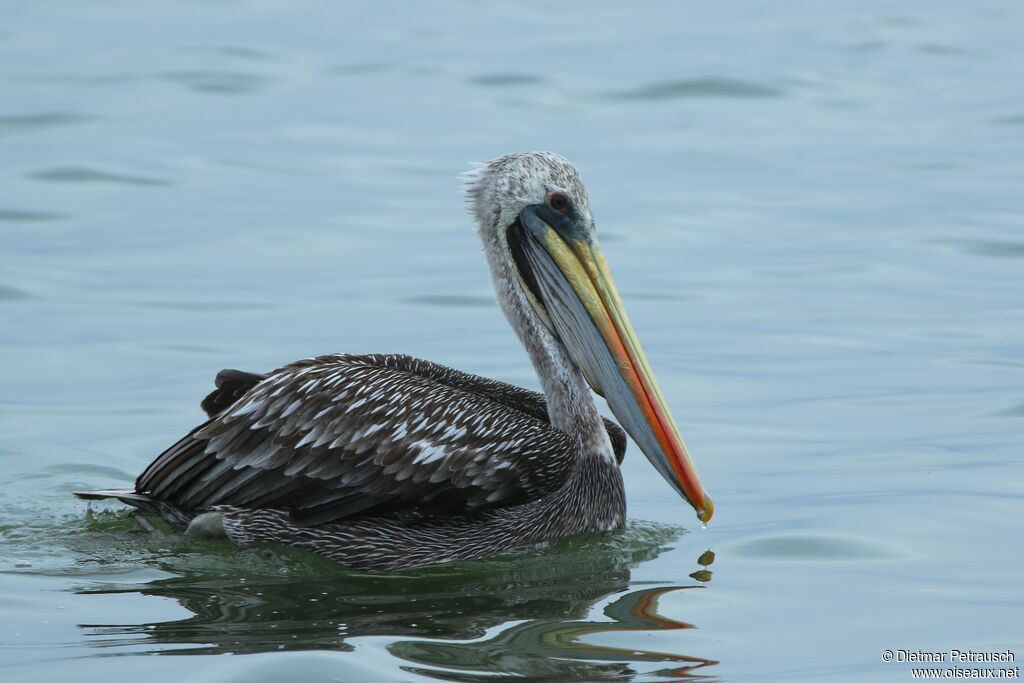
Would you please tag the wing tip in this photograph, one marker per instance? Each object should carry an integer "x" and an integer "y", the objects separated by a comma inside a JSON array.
[
  {"x": 105, "y": 494},
  {"x": 230, "y": 385}
]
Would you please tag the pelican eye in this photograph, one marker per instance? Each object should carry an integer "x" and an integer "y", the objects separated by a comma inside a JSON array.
[{"x": 558, "y": 201}]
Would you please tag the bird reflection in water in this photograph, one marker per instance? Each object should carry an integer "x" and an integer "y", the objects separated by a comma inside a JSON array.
[{"x": 517, "y": 615}]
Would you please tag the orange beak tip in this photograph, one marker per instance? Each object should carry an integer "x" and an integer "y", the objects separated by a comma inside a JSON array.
[{"x": 704, "y": 514}]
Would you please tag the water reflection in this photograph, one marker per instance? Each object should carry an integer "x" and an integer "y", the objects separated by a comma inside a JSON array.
[
  {"x": 532, "y": 614},
  {"x": 555, "y": 649}
]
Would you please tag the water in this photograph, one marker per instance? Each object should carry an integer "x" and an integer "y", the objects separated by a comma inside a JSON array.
[{"x": 813, "y": 214}]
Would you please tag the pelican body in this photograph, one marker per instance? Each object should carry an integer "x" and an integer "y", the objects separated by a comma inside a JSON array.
[{"x": 387, "y": 461}]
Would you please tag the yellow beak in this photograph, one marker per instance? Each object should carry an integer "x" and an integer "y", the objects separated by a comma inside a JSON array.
[{"x": 593, "y": 326}]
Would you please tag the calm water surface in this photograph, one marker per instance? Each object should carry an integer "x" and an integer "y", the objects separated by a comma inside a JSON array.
[{"x": 814, "y": 217}]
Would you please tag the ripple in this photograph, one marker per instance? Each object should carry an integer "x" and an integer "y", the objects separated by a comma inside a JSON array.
[
  {"x": 451, "y": 301},
  {"x": 90, "y": 79},
  {"x": 21, "y": 216},
  {"x": 202, "y": 306},
  {"x": 699, "y": 88},
  {"x": 812, "y": 272},
  {"x": 899, "y": 21},
  {"x": 218, "y": 81},
  {"x": 993, "y": 248},
  {"x": 69, "y": 468},
  {"x": 13, "y": 294},
  {"x": 1012, "y": 411},
  {"x": 81, "y": 174},
  {"x": 866, "y": 46},
  {"x": 998, "y": 363},
  {"x": 505, "y": 80},
  {"x": 245, "y": 53},
  {"x": 804, "y": 547},
  {"x": 186, "y": 348},
  {"x": 1017, "y": 120},
  {"x": 49, "y": 119},
  {"x": 940, "y": 50},
  {"x": 360, "y": 68},
  {"x": 661, "y": 296}
]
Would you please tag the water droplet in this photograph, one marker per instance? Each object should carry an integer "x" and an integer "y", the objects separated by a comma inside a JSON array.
[{"x": 703, "y": 525}]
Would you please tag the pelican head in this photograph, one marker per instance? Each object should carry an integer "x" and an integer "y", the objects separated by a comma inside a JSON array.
[{"x": 554, "y": 286}]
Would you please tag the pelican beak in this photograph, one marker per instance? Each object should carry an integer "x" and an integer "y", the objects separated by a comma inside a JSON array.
[{"x": 566, "y": 277}]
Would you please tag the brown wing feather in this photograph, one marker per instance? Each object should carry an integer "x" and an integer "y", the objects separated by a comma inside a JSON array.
[
  {"x": 524, "y": 400},
  {"x": 337, "y": 436},
  {"x": 231, "y": 385}
]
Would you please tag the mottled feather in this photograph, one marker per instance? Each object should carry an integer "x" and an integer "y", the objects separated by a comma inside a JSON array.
[{"x": 337, "y": 436}]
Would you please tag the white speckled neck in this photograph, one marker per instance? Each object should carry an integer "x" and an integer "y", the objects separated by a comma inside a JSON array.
[{"x": 498, "y": 191}]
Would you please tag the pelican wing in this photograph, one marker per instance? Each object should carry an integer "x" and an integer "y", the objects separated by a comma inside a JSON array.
[{"x": 336, "y": 436}]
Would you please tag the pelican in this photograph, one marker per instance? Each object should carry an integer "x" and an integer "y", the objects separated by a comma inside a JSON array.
[{"x": 388, "y": 461}]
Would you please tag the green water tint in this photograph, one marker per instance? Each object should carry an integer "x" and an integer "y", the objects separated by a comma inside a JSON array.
[{"x": 531, "y": 612}]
